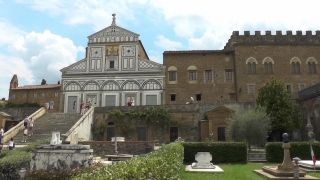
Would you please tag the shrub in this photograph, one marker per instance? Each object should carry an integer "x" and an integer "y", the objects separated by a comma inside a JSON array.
[
  {"x": 274, "y": 151},
  {"x": 12, "y": 161},
  {"x": 164, "y": 163},
  {"x": 59, "y": 174},
  {"x": 222, "y": 152}
]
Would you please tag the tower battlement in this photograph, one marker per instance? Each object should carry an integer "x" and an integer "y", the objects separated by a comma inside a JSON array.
[{"x": 272, "y": 38}]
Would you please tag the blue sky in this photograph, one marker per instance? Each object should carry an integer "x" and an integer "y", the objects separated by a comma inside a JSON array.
[{"x": 38, "y": 38}]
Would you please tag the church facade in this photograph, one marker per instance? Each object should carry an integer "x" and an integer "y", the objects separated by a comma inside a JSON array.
[{"x": 115, "y": 71}]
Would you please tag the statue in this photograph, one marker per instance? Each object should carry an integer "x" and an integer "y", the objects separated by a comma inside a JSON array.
[{"x": 44, "y": 82}]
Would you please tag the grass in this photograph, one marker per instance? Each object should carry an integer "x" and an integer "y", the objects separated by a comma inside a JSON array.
[{"x": 233, "y": 172}]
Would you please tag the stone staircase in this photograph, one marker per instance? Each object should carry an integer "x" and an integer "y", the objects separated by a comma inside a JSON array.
[
  {"x": 257, "y": 157},
  {"x": 47, "y": 123}
]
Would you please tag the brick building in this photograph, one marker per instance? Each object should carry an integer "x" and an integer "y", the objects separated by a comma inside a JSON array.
[
  {"x": 34, "y": 93},
  {"x": 235, "y": 73}
]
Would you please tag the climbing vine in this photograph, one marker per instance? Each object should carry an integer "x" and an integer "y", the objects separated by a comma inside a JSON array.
[{"x": 127, "y": 120}]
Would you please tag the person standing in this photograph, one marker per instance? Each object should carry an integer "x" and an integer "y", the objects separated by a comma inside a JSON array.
[
  {"x": 83, "y": 109},
  {"x": 51, "y": 104},
  {"x": 132, "y": 102},
  {"x": 47, "y": 106},
  {"x": 191, "y": 100},
  {"x": 11, "y": 144},
  {"x": 25, "y": 134},
  {"x": 1, "y": 134},
  {"x": 82, "y": 103},
  {"x": 25, "y": 122},
  {"x": 74, "y": 106},
  {"x": 31, "y": 122}
]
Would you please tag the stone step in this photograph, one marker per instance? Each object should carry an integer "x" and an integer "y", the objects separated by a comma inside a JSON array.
[
  {"x": 47, "y": 123},
  {"x": 257, "y": 157}
]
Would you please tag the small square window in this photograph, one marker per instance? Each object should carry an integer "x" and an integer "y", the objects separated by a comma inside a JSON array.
[
  {"x": 34, "y": 95},
  {"x": 56, "y": 94},
  {"x": 250, "y": 89},
  {"x": 24, "y": 95},
  {"x": 198, "y": 97},
  {"x": 228, "y": 74},
  {"x": 13, "y": 95},
  {"x": 289, "y": 88},
  {"x": 111, "y": 64},
  {"x": 173, "y": 97},
  {"x": 42, "y": 94}
]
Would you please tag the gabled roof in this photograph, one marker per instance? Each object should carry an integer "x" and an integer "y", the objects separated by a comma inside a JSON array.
[
  {"x": 113, "y": 30},
  {"x": 108, "y": 32},
  {"x": 77, "y": 66}
]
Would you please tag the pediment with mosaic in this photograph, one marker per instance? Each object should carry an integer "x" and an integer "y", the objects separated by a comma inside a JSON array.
[{"x": 112, "y": 50}]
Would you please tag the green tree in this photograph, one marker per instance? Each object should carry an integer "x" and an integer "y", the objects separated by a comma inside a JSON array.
[
  {"x": 249, "y": 126},
  {"x": 284, "y": 114}
]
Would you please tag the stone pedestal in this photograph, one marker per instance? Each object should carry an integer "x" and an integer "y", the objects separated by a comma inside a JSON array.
[
  {"x": 286, "y": 169},
  {"x": 61, "y": 157}
]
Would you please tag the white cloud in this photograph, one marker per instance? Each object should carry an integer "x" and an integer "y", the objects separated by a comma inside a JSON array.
[
  {"x": 195, "y": 20},
  {"x": 91, "y": 12},
  {"x": 45, "y": 54},
  {"x": 9, "y": 33},
  {"x": 167, "y": 44},
  {"x": 34, "y": 56}
]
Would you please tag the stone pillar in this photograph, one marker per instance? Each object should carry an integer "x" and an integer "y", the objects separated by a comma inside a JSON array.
[{"x": 287, "y": 164}]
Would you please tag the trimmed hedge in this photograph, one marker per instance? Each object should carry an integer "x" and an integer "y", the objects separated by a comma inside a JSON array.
[
  {"x": 274, "y": 151},
  {"x": 222, "y": 152},
  {"x": 164, "y": 163},
  {"x": 12, "y": 161}
]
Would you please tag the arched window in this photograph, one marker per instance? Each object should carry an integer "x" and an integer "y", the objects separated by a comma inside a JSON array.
[
  {"x": 312, "y": 65},
  {"x": 251, "y": 65},
  {"x": 295, "y": 65},
  {"x": 268, "y": 65}
]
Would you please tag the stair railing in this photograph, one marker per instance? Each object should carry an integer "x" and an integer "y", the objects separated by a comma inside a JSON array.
[
  {"x": 15, "y": 130},
  {"x": 81, "y": 130}
]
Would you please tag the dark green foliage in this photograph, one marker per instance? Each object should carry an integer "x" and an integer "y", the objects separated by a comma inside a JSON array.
[
  {"x": 277, "y": 100},
  {"x": 12, "y": 161},
  {"x": 127, "y": 121},
  {"x": 274, "y": 151},
  {"x": 22, "y": 105},
  {"x": 222, "y": 152},
  {"x": 164, "y": 163},
  {"x": 59, "y": 174}
]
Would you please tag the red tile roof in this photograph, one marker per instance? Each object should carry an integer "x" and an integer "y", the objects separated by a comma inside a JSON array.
[{"x": 48, "y": 86}]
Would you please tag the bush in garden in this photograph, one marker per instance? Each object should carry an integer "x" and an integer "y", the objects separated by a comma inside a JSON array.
[{"x": 164, "y": 163}]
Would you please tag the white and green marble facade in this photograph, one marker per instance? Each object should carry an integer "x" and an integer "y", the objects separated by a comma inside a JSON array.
[{"x": 116, "y": 69}]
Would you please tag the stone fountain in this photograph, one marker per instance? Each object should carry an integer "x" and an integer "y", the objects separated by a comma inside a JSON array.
[{"x": 286, "y": 169}]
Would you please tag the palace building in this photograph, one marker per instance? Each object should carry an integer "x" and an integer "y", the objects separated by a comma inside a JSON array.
[{"x": 116, "y": 70}]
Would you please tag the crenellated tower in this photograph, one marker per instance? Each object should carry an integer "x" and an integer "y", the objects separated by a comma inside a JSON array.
[{"x": 269, "y": 38}]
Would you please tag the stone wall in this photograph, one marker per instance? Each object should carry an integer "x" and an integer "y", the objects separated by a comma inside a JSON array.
[
  {"x": 19, "y": 113},
  {"x": 186, "y": 118},
  {"x": 282, "y": 68},
  {"x": 218, "y": 90},
  {"x": 61, "y": 157},
  {"x": 20, "y": 96},
  {"x": 102, "y": 148}
]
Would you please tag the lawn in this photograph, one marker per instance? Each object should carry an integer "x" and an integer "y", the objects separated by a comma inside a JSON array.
[{"x": 234, "y": 172}]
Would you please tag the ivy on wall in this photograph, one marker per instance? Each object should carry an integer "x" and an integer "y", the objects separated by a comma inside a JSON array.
[{"x": 127, "y": 121}]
